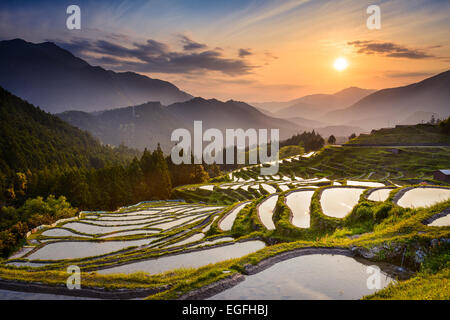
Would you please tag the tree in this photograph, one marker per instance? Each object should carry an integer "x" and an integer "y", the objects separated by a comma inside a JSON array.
[
  {"x": 445, "y": 126},
  {"x": 352, "y": 136},
  {"x": 433, "y": 120},
  {"x": 332, "y": 139}
]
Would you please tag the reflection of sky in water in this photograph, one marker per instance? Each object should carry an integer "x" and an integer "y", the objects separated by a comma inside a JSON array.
[
  {"x": 16, "y": 295},
  {"x": 189, "y": 260},
  {"x": 423, "y": 197},
  {"x": 308, "y": 277},
  {"x": 299, "y": 203},
  {"x": 338, "y": 202},
  {"x": 441, "y": 222}
]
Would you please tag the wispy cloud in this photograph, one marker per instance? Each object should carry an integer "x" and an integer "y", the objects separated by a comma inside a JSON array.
[
  {"x": 155, "y": 56},
  {"x": 400, "y": 74},
  {"x": 389, "y": 49},
  {"x": 244, "y": 52},
  {"x": 190, "y": 45}
]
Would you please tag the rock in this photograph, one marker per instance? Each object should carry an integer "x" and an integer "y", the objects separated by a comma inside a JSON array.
[
  {"x": 420, "y": 256},
  {"x": 434, "y": 242}
]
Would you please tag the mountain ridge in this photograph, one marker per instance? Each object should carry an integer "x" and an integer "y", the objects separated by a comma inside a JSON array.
[
  {"x": 390, "y": 106},
  {"x": 53, "y": 78},
  {"x": 145, "y": 125}
]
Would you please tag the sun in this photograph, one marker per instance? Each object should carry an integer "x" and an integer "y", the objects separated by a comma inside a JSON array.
[{"x": 340, "y": 64}]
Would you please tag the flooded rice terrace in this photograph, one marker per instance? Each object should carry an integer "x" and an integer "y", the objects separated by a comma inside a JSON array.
[
  {"x": 309, "y": 277},
  {"x": 161, "y": 236}
]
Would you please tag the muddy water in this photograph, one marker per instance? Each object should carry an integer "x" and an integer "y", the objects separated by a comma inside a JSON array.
[
  {"x": 189, "y": 260},
  {"x": 423, "y": 197},
  {"x": 299, "y": 203},
  {"x": 311, "y": 277},
  {"x": 265, "y": 212},
  {"x": 338, "y": 202}
]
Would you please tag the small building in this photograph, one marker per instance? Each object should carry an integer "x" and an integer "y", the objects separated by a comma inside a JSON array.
[{"x": 442, "y": 175}]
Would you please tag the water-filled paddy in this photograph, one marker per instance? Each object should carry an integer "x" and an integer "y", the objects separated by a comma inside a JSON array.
[
  {"x": 265, "y": 211},
  {"x": 81, "y": 249},
  {"x": 58, "y": 232},
  {"x": 307, "y": 277},
  {"x": 365, "y": 184},
  {"x": 379, "y": 195},
  {"x": 193, "y": 259},
  {"x": 268, "y": 188},
  {"x": 423, "y": 197},
  {"x": 338, "y": 202},
  {"x": 178, "y": 222},
  {"x": 194, "y": 238},
  {"x": 299, "y": 202},
  {"x": 95, "y": 229},
  {"x": 227, "y": 223},
  {"x": 441, "y": 222},
  {"x": 207, "y": 187},
  {"x": 16, "y": 295}
]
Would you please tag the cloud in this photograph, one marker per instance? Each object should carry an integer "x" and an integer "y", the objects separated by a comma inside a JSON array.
[
  {"x": 244, "y": 52},
  {"x": 190, "y": 45},
  {"x": 394, "y": 74},
  {"x": 155, "y": 56},
  {"x": 389, "y": 49}
]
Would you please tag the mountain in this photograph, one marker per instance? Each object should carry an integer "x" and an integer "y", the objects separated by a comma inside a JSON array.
[
  {"x": 307, "y": 123},
  {"x": 419, "y": 117},
  {"x": 145, "y": 125},
  {"x": 53, "y": 78},
  {"x": 419, "y": 134},
  {"x": 389, "y": 107},
  {"x": 339, "y": 131},
  {"x": 314, "y": 106},
  {"x": 33, "y": 139}
]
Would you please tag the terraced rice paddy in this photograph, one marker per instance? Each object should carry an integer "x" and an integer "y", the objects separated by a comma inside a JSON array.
[
  {"x": 299, "y": 202},
  {"x": 162, "y": 236},
  {"x": 311, "y": 277},
  {"x": 338, "y": 202},
  {"x": 80, "y": 249},
  {"x": 441, "y": 222},
  {"x": 379, "y": 195},
  {"x": 423, "y": 197},
  {"x": 265, "y": 212},
  {"x": 365, "y": 184},
  {"x": 193, "y": 259},
  {"x": 227, "y": 223}
]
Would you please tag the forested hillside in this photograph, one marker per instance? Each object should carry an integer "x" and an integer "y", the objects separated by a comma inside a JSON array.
[{"x": 31, "y": 139}]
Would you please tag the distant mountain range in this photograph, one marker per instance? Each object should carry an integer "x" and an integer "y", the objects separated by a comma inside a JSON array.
[
  {"x": 55, "y": 80},
  {"x": 315, "y": 105},
  {"x": 388, "y": 107},
  {"x": 58, "y": 82},
  {"x": 147, "y": 124}
]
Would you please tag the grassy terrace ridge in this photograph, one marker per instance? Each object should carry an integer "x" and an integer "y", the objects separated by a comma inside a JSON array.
[{"x": 420, "y": 134}]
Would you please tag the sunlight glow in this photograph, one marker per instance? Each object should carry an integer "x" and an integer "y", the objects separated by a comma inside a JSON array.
[{"x": 340, "y": 64}]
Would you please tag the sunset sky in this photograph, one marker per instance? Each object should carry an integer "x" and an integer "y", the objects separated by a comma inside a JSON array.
[{"x": 247, "y": 50}]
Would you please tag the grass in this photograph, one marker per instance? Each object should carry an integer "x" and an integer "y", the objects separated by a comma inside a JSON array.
[{"x": 405, "y": 135}]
